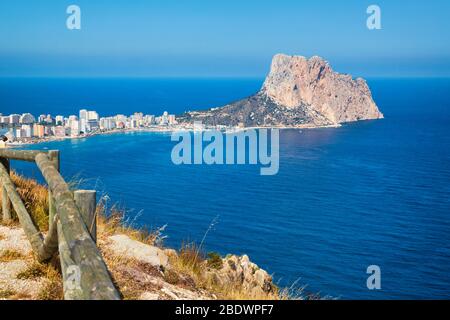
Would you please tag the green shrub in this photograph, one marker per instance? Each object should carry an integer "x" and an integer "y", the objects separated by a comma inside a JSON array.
[{"x": 215, "y": 260}]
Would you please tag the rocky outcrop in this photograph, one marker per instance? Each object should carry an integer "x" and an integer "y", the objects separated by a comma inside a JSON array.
[
  {"x": 298, "y": 92},
  {"x": 239, "y": 270},
  {"x": 140, "y": 271},
  {"x": 146, "y": 272},
  {"x": 124, "y": 246}
]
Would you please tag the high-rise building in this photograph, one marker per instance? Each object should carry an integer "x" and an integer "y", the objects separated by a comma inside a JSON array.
[
  {"x": 138, "y": 116},
  {"x": 107, "y": 123},
  {"x": 120, "y": 118},
  {"x": 83, "y": 114},
  {"x": 171, "y": 119},
  {"x": 49, "y": 131},
  {"x": 41, "y": 118},
  {"x": 92, "y": 125},
  {"x": 27, "y": 131},
  {"x": 88, "y": 121},
  {"x": 149, "y": 119},
  {"x": 92, "y": 116},
  {"x": 14, "y": 118},
  {"x": 83, "y": 125},
  {"x": 38, "y": 130},
  {"x": 60, "y": 131},
  {"x": 120, "y": 124},
  {"x": 59, "y": 120},
  {"x": 74, "y": 128},
  {"x": 27, "y": 118},
  {"x": 164, "y": 119},
  {"x": 70, "y": 120},
  {"x": 48, "y": 119}
]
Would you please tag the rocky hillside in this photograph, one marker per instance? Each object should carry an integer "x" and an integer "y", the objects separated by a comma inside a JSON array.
[
  {"x": 298, "y": 92},
  {"x": 141, "y": 267},
  {"x": 140, "y": 271}
]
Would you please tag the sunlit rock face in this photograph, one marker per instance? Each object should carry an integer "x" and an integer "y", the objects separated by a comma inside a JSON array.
[{"x": 298, "y": 92}]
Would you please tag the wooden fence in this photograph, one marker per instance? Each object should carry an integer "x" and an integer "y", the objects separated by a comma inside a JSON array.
[{"x": 71, "y": 227}]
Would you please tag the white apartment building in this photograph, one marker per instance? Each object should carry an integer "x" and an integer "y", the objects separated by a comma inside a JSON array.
[
  {"x": 27, "y": 131},
  {"x": 107, "y": 123},
  {"x": 74, "y": 128},
  {"x": 41, "y": 118},
  {"x": 48, "y": 119},
  {"x": 92, "y": 116},
  {"x": 27, "y": 118},
  {"x": 59, "y": 120},
  {"x": 14, "y": 118},
  {"x": 149, "y": 119},
  {"x": 83, "y": 114},
  {"x": 83, "y": 127},
  {"x": 171, "y": 119}
]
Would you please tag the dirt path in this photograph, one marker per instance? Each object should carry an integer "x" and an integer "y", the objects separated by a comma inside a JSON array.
[{"x": 15, "y": 260}]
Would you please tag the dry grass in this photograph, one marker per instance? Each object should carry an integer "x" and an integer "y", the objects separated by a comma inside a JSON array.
[
  {"x": 113, "y": 221},
  {"x": 35, "y": 199},
  {"x": 12, "y": 223},
  {"x": 7, "y": 293},
  {"x": 189, "y": 268},
  {"x": 127, "y": 275},
  {"x": 192, "y": 262},
  {"x": 33, "y": 271},
  {"x": 52, "y": 289},
  {"x": 10, "y": 255},
  {"x": 191, "y": 259}
]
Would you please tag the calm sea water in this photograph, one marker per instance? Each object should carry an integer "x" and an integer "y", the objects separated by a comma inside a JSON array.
[{"x": 374, "y": 192}]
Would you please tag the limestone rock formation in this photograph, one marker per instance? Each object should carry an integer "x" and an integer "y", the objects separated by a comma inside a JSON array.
[
  {"x": 241, "y": 271},
  {"x": 298, "y": 92},
  {"x": 133, "y": 249}
]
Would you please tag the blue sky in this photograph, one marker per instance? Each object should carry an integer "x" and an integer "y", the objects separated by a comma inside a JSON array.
[{"x": 221, "y": 38}]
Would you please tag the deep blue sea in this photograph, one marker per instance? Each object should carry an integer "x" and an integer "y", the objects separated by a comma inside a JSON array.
[{"x": 368, "y": 193}]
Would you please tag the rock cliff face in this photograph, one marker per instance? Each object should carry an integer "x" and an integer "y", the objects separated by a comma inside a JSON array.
[{"x": 298, "y": 92}]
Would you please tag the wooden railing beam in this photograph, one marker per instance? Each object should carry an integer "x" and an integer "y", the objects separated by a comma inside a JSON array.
[
  {"x": 32, "y": 233},
  {"x": 53, "y": 156},
  {"x": 23, "y": 155},
  {"x": 86, "y": 201},
  {"x": 73, "y": 235},
  {"x": 6, "y": 204},
  {"x": 71, "y": 228}
]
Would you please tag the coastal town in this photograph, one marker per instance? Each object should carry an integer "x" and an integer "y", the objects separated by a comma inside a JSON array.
[{"x": 18, "y": 129}]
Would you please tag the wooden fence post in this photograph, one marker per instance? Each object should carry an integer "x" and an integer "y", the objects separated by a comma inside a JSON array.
[
  {"x": 86, "y": 202},
  {"x": 6, "y": 204},
  {"x": 53, "y": 155}
]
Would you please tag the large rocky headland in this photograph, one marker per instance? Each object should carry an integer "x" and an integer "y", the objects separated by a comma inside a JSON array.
[{"x": 298, "y": 92}]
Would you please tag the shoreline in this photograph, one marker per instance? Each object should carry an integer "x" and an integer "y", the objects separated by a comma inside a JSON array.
[
  {"x": 164, "y": 130},
  {"x": 85, "y": 136}
]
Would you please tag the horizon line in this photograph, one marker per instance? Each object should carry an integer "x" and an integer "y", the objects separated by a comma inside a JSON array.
[{"x": 173, "y": 77}]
